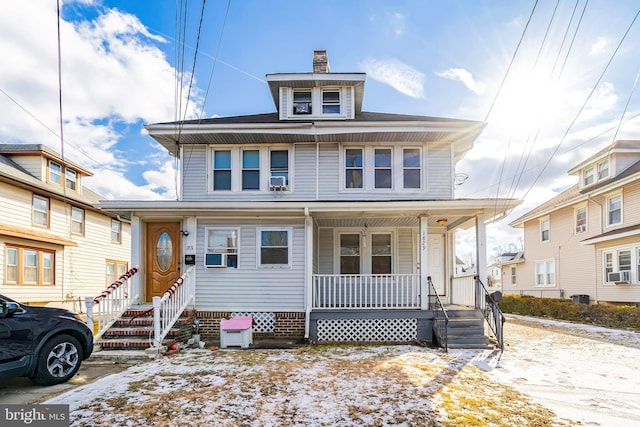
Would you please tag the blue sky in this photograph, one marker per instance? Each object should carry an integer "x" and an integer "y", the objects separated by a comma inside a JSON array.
[{"x": 436, "y": 58}]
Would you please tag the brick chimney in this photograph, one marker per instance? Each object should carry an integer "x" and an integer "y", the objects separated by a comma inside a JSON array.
[{"x": 320, "y": 61}]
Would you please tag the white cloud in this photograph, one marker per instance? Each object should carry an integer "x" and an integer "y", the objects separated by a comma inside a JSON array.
[
  {"x": 599, "y": 46},
  {"x": 464, "y": 76},
  {"x": 400, "y": 76},
  {"x": 397, "y": 23}
]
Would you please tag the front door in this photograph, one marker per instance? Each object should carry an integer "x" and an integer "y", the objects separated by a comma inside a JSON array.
[{"x": 163, "y": 257}]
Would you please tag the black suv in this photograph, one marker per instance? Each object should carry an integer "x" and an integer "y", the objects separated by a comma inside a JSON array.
[{"x": 45, "y": 344}]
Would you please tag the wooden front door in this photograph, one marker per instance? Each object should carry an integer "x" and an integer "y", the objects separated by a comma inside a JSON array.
[{"x": 163, "y": 257}]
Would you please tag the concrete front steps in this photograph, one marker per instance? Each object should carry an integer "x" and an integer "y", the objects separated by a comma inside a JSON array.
[
  {"x": 134, "y": 330},
  {"x": 466, "y": 330}
]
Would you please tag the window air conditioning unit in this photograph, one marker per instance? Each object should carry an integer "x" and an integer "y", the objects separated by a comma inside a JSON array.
[
  {"x": 215, "y": 260},
  {"x": 277, "y": 183},
  {"x": 619, "y": 278}
]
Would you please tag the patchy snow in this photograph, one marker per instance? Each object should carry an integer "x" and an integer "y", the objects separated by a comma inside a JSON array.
[{"x": 551, "y": 374}]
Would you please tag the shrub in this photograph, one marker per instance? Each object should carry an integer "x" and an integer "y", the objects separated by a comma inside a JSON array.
[{"x": 623, "y": 317}]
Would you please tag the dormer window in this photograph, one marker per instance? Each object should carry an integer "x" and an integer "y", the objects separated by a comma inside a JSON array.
[
  {"x": 603, "y": 170},
  {"x": 70, "y": 179},
  {"x": 302, "y": 102},
  {"x": 588, "y": 176},
  {"x": 330, "y": 102},
  {"x": 55, "y": 172}
]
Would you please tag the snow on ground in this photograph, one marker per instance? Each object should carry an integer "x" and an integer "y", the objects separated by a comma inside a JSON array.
[{"x": 551, "y": 374}]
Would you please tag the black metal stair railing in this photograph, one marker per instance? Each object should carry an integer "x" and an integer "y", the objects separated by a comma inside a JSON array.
[
  {"x": 440, "y": 316},
  {"x": 491, "y": 312}
]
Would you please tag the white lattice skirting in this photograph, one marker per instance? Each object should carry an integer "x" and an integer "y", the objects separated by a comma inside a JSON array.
[
  {"x": 264, "y": 322},
  {"x": 367, "y": 330}
]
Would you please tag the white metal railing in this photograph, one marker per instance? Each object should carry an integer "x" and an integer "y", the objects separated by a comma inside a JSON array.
[
  {"x": 463, "y": 291},
  {"x": 106, "y": 308},
  {"x": 366, "y": 291},
  {"x": 168, "y": 308}
]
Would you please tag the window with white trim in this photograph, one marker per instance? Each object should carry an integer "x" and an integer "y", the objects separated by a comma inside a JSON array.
[
  {"x": 302, "y": 102},
  {"x": 330, "y": 101},
  {"x": 70, "y": 179},
  {"x": 222, "y": 170},
  {"x": 77, "y": 220},
  {"x": 381, "y": 256},
  {"x": 40, "y": 211},
  {"x": 116, "y": 231},
  {"x": 544, "y": 230},
  {"x": 546, "y": 273},
  {"x": 279, "y": 164},
  {"x": 55, "y": 173},
  {"x": 588, "y": 176},
  {"x": 274, "y": 247},
  {"x": 251, "y": 170},
  {"x": 114, "y": 270},
  {"x": 383, "y": 171},
  {"x": 223, "y": 240},
  {"x": 581, "y": 220},
  {"x": 353, "y": 168},
  {"x": 411, "y": 167},
  {"x": 614, "y": 210},
  {"x": 29, "y": 266},
  {"x": 603, "y": 170},
  {"x": 350, "y": 253},
  {"x": 514, "y": 275},
  {"x": 621, "y": 265}
]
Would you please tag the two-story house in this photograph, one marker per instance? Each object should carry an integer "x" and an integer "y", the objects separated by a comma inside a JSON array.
[
  {"x": 586, "y": 240},
  {"x": 320, "y": 220},
  {"x": 56, "y": 247}
]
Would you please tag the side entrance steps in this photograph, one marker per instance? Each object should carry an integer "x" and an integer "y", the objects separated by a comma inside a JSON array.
[
  {"x": 466, "y": 330},
  {"x": 134, "y": 330}
]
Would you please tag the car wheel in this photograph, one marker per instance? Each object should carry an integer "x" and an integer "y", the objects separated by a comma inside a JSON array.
[{"x": 58, "y": 361}]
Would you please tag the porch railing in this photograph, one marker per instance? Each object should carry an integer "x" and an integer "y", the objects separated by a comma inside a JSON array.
[
  {"x": 168, "y": 308},
  {"x": 106, "y": 308},
  {"x": 491, "y": 312},
  {"x": 440, "y": 316},
  {"x": 366, "y": 291},
  {"x": 463, "y": 290}
]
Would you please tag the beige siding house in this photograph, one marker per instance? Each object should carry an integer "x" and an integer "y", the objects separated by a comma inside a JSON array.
[
  {"x": 55, "y": 247},
  {"x": 586, "y": 240}
]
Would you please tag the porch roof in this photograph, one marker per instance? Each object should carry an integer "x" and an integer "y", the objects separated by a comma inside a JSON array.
[{"x": 455, "y": 213}]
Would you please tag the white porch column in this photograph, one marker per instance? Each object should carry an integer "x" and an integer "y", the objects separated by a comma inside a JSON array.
[
  {"x": 424, "y": 262},
  {"x": 481, "y": 249},
  {"x": 308, "y": 269},
  {"x": 136, "y": 259},
  {"x": 450, "y": 264}
]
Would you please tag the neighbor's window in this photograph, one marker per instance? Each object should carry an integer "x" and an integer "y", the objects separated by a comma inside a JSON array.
[
  {"x": 353, "y": 168},
  {"x": 29, "y": 266},
  {"x": 581, "y": 220},
  {"x": 55, "y": 172},
  {"x": 588, "y": 176},
  {"x": 114, "y": 270},
  {"x": 614, "y": 210},
  {"x": 383, "y": 171},
  {"x": 280, "y": 164},
  {"x": 330, "y": 102},
  {"x": 514, "y": 276},
  {"x": 302, "y": 102},
  {"x": 40, "y": 211},
  {"x": 221, "y": 170},
  {"x": 70, "y": 179},
  {"x": 608, "y": 265},
  {"x": 544, "y": 230},
  {"x": 116, "y": 231},
  {"x": 381, "y": 261},
  {"x": 77, "y": 220},
  {"x": 350, "y": 254},
  {"x": 546, "y": 273},
  {"x": 411, "y": 167},
  {"x": 603, "y": 170},
  {"x": 624, "y": 261},
  {"x": 251, "y": 170},
  {"x": 223, "y": 241},
  {"x": 274, "y": 247}
]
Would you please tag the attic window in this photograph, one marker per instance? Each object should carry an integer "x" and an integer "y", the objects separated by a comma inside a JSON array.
[
  {"x": 302, "y": 102},
  {"x": 330, "y": 102},
  {"x": 588, "y": 177},
  {"x": 603, "y": 170}
]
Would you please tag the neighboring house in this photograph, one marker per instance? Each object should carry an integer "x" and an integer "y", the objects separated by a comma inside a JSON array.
[
  {"x": 586, "y": 240},
  {"x": 56, "y": 247},
  {"x": 320, "y": 220},
  {"x": 508, "y": 264},
  {"x": 494, "y": 275}
]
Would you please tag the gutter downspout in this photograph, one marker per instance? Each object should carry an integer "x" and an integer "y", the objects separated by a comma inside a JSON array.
[
  {"x": 308, "y": 265},
  {"x": 595, "y": 252}
]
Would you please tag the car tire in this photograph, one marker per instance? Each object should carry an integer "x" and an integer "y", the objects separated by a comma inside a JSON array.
[{"x": 59, "y": 360}]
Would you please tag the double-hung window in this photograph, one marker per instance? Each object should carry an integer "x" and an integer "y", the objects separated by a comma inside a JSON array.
[
  {"x": 280, "y": 164},
  {"x": 588, "y": 176},
  {"x": 350, "y": 254},
  {"x": 381, "y": 257},
  {"x": 274, "y": 247},
  {"x": 411, "y": 167},
  {"x": 55, "y": 172},
  {"x": 223, "y": 240},
  {"x": 353, "y": 163},
  {"x": 546, "y": 273},
  {"x": 544, "y": 230},
  {"x": 222, "y": 170},
  {"x": 302, "y": 102},
  {"x": 29, "y": 266},
  {"x": 383, "y": 170},
  {"x": 114, "y": 270},
  {"x": 116, "y": 231},
  {"x": 514, "y": 275},
  {"x": 77, "y": 220},
  {"x": 251, "y": 170},
  {"x": 40, "y": 211},
  {"x": 581, "y": 220},
  {"x": 71, "y": 179},
  {"x": 603, "y": 170},
  {"x": 614, "y": 210},
  {"x": 330, "y": 102}
]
